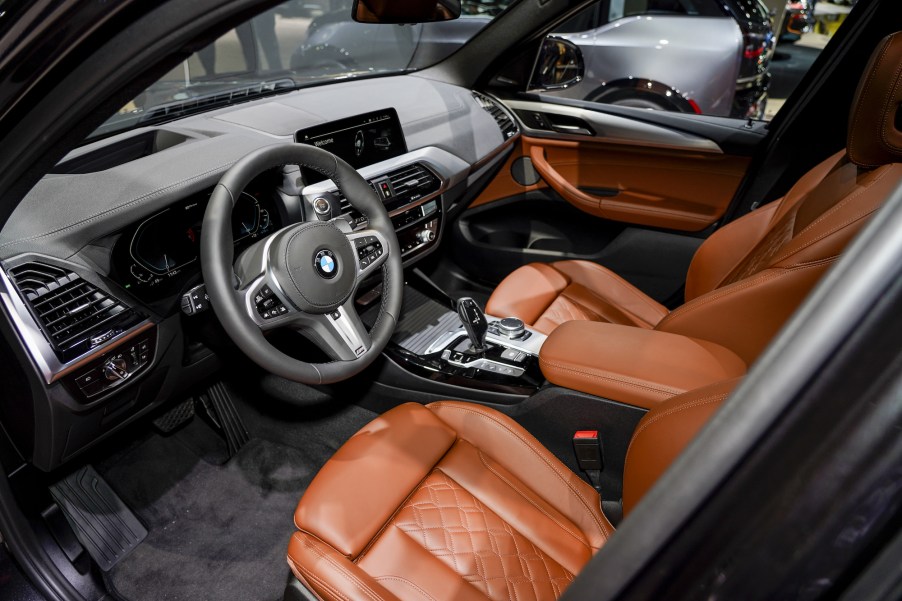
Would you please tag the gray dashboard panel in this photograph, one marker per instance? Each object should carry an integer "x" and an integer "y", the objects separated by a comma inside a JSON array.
[{"x": 64, "y": 213}]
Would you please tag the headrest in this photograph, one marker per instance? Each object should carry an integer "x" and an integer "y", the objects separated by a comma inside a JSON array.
[{"x": 875, "y": 126}]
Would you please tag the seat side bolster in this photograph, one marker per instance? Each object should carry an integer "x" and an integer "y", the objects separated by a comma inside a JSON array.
[
  {"x": 725, "y": 248},
  {"x": 611, "y": 289},
  {"x": 663, "y": 433},
  {"x": 502, "y": 439},
  {"x": 330, "y": 574},
  {"x": 372, "y": 473},
  {"x": 745, "y": 316},
  {"x": 527, "y": 292},
  {"x": 833, "y": 230}
]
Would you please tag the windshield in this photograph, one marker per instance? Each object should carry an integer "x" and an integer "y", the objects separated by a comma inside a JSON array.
[{"x": 298, "y": 43}]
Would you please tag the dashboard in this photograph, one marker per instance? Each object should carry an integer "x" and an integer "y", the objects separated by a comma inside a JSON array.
[{"x": 109, "y": 241}]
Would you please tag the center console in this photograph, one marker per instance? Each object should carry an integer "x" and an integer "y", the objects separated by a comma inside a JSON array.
[
  {"x": 408, "y": 184},
  {"x": 432, "y": 342}
]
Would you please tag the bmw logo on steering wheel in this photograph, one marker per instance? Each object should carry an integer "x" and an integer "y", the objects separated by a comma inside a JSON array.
[{"x": 325, "y": 264}]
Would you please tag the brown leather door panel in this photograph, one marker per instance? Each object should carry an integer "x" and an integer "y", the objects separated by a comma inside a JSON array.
[
  {"x": 671, "y": 189},
  {"x": 674, "y": 189}
]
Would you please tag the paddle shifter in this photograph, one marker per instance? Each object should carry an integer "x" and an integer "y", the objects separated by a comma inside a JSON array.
[{"x": 474, "y": 321}]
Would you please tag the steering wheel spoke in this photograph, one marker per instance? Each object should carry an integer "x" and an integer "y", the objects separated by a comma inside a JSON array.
[{"x": 339, "y": 333}]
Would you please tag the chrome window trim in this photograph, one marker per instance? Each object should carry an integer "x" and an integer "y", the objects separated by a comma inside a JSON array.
[{"x": 614, "y": 129}]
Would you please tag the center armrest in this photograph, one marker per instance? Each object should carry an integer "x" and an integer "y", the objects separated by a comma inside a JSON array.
[{"x": 633, "y": 365}]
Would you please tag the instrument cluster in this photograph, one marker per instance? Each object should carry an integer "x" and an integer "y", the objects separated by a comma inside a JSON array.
[{"x": 157, "y": 257}]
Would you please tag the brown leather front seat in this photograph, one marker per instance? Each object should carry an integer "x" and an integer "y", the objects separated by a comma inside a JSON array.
[
  {"x": 457, "y": 501},
  {"x": 749, "y": 276}
]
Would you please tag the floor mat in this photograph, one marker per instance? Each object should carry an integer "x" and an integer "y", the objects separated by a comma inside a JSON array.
[{"x": 215, "y": 532}]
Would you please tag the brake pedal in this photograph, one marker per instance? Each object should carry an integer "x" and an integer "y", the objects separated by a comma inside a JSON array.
[
  {"x": 176, "y": 417},
  {"x": 219, "y": 406}
]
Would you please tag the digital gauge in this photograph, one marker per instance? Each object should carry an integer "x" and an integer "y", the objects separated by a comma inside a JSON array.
[
  {"x": 167, "y": 242},
  {"x": 246, "y": 217},
  {"x": 162, "y": 252}
]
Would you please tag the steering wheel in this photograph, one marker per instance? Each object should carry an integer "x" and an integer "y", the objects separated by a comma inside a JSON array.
[{"x": 303, "y": 276}]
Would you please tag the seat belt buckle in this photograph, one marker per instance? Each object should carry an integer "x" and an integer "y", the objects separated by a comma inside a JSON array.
[{"x": 589, "y": 456}]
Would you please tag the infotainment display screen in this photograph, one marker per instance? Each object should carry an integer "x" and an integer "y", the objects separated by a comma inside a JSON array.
[{"x": 361, "y": 140}]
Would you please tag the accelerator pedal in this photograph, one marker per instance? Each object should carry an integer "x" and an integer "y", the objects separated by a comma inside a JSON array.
[
  {"x": 102, "y": 522},
  {"x": 218, "y": 403},
  {"x": 176, "y": 417}
]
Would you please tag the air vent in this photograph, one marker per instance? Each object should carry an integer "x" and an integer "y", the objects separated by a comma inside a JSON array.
[
  {"x": 206, "y": 102},
  {"x": 505, "y": 123},
  {"x": 411, "y": 183},
  {"x": 407, "y": 184},
  {"x": 73, "y": 314}
]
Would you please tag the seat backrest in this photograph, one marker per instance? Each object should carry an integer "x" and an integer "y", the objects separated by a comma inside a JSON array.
[{"x": 751, "y": 275}]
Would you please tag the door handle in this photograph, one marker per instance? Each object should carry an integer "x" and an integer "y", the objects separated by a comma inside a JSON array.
[
  {"x": 571, "y": 129},
  {"x": 560, "y": 184}
]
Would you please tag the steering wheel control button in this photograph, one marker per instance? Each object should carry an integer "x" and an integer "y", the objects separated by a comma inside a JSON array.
[
  {"x": 326, "y": 264},
  {"x": 267, "y": 304},
  {"x": 369, "y": 248},
  {"x": 264, "y": 293},
  {"x": 195, "y": 300}
]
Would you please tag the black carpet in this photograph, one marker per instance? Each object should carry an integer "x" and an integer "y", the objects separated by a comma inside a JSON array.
[{"x": 217, "y": 532}]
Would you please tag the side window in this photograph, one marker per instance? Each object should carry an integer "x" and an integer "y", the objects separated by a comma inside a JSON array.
[
  {"x": 628, "y": 8},
  {"x": 729, "y": 58}
]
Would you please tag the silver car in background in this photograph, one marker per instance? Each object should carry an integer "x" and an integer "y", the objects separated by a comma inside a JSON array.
[
  {"x": 694, "y": 56},
  {"x": 694, "y": 63}
]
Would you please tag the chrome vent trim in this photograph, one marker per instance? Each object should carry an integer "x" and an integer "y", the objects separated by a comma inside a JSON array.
[{"x": 72, "y": 314}]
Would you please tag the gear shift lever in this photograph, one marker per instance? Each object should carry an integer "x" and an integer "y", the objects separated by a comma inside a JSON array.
[{"x": 474, "y": 321}]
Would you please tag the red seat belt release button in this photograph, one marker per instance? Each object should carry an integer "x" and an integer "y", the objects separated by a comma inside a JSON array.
[
  {"x": 587, "y": 447},
  {"x": 588, "y": 450}
]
